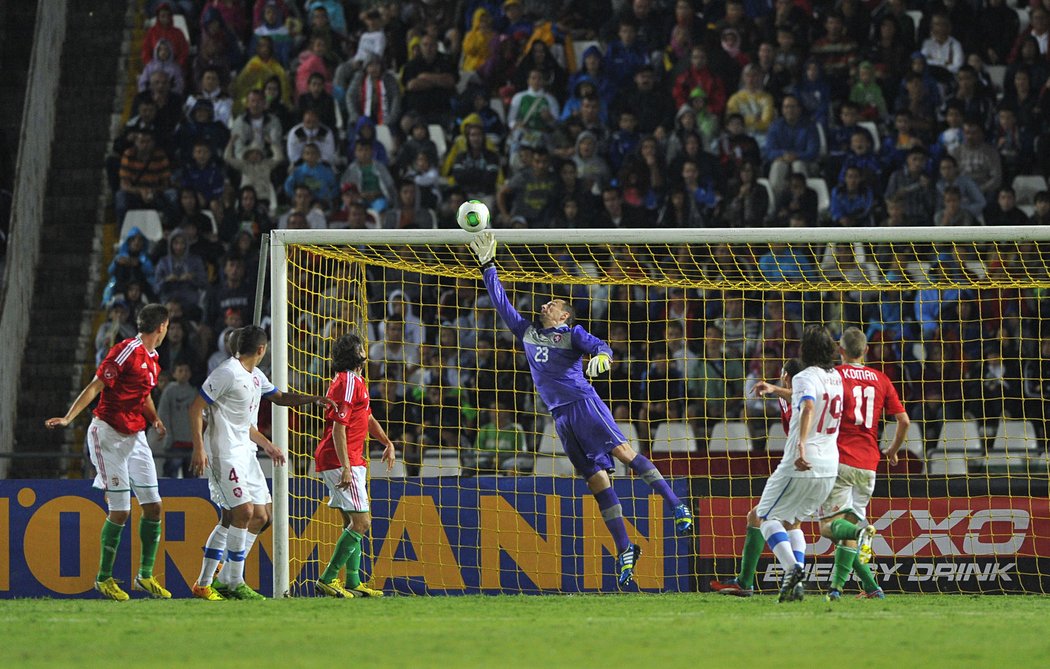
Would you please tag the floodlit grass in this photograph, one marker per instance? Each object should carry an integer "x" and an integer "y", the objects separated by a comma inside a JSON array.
[{"x": 644, "y": 630}]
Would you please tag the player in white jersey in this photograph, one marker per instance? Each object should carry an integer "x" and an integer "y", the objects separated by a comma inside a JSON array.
[
  {"x": 231, "y": 396},
  {"x": 805, "y": 476}
]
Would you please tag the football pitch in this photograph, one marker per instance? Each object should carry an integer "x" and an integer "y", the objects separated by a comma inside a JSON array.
[{"x": 637, "y": 630}]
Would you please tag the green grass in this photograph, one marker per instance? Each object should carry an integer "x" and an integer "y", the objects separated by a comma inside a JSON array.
[{"x": 660, "y": 631}]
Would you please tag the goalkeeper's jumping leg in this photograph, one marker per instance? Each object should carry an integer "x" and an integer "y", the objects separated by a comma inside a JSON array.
[{"x": 647, "y": 471}]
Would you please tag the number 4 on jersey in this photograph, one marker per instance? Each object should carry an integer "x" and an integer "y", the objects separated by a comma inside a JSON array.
[{"x": 233, "y": 476}]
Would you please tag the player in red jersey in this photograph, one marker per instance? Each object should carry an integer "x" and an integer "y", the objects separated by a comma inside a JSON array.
[
  {"x": 866, "y": 393},
  {"x": 340, "y": 461},
  {"x": 117, "y": 444}
]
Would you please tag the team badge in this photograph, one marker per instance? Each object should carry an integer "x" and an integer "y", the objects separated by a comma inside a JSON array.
[
  {"x": 556, "y": 338},
  {"x": 255, "y": 380},
  {"x": 116, "y": 481}
]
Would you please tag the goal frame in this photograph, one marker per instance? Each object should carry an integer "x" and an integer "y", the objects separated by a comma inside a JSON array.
[{"x": 281, "y": 239}]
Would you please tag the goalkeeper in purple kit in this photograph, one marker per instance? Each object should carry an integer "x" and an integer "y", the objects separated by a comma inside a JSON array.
[{"x": 589, "y": 435}]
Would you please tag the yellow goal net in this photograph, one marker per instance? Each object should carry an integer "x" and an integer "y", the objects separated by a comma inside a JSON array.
[{"x": 482, "y": 499}]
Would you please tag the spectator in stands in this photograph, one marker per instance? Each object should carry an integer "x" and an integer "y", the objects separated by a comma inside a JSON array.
[
  {"x": 314, "y": 60},
  {"x": 499, "y": 447},
  {"x": 163, "y": 61},
  {"x": 210, "y": 88},
  {"x": 477, "y": 170},
  {"x": 131, "y": 264},
  {"x": 275, "y": 92},
  {"x": 257, "y": 126},
  {"x": 145, "y": 178},
  {"x": 321, "y": 25},
  {"x": 719, "y": 382},
  {"x": 232, "y": 292},
  {"x": 311, "y": 131},
  {"x": 973, "y": 199},
  {"x": 735, "y": 146},
  {"x": 372, "y": 179},
  {"x": 168, "y": 103},
  {"x": 203, "y": 174},
  {"x": 538, "y": 57},
  {"x": 181, "y": 276},
  {"x": 913, "y": 188},
  {"x": 315, "y": 174},
  {"x": 1038, "y": 30},
  {"x": 1014, "y": 143},
  {"x": 747, "y": 203},
  {"x": 899, "y": 141},
  {"x": 200, "y": 126},
  {"x": 1023, "y": 100},
  {"x": 271, "y": 25},
  {"x": 594, "y": 70},
  {"x": 316, "y": 98},
  {"x": 978, "y": 160},
  {"x": 975, "y": 104},
  {"x": 653, "y": 108},
  {"x": 533, "y": 113},
  {"x": 164, "y": 29},
  {"x": 852, "y": 200},
  {"x": 754, "y": 104},
  {"x": 255, "y": 169},
  {"x": 797, "y": 199},
  {"x": 890, "y": 54},
  {"x": 814, "y": 94},
  {"x": 861, "y": 156},
  {"x": 418, "y": 141},
  {"x": 792, "y": 145},
  {"x": 836, "y": 52},
  {"x": 943, "y": 52},
  {"x": 952, "y": 211},
  {"x": 250, "y": 217},
  {"x": 375, "y": 93},
  {"x": 786, "y": 263},
  {"x": 1030, "y": 60},
  {"x": 429, "y": 81},
  {"x": 867, "y": 94},
  {"x": 530, "y": 192},
  {"x": 1004, "y": 211},
  {"x": 624, "y": 55},
  {"x": 304, "y": 206},
  {"x": 218, "y": 47},
  {"x": 256, "y": 71},
  {"x": 116, "y": 328},
  {"x": 409, "y": 212},
  {"x": 698, "y": 75}
]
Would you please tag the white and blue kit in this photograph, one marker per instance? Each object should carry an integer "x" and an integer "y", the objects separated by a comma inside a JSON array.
[{"x": 582, "y": 420}]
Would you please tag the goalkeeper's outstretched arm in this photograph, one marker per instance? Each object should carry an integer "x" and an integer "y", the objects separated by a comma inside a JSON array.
[{"x": 484, "y": 248}]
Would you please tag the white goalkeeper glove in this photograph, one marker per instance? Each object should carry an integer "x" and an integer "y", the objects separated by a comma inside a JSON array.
[
  {"x": 599, "y": 364},
  {"x": 484, "y": 247}
]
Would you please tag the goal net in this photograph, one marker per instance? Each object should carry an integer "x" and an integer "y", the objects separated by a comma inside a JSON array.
[{"x": 482, "y": 498}]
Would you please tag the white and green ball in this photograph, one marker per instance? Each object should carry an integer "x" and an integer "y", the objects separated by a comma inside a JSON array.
[{"x": 473, "y": 216}]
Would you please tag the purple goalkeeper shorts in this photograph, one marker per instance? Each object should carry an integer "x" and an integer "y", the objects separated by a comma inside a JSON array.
[{"x": 587, "y": 432}]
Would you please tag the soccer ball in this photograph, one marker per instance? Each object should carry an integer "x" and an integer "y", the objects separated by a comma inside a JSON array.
[{"x": 473, "y": 216}]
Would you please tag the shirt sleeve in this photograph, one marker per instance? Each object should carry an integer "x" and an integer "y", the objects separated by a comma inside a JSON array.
[
  {"x": 341, "y": 391},
  {"x": 802, "y": 389},
  {"x": 217, "y": 383},
  {"x": 588, "y": 343},
  {"x": 893, "y": 405},
  {"x": 265, "y": 384},
  {"x": 112, "y": 365},
  {"x": 501, "y": 302}
]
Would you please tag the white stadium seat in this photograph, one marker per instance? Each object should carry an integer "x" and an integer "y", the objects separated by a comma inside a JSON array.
[
  {"x": 549, "y": 442},
  {"x": 1014, "y": 436},
  {"x": 674, "y": 438},
  {"x": 553, "y": 465},
  {"x": 729, "y": 437},
  {"x": 439, "y": 462},
  {"x": 377, "y": 469},
  {"x": 823, "y": 196},
  {"x": 949, "y": 463},
  {"x": 146, "y": 220},
  {"x": 769, "y": 192},
  {"x": 913, "y": 442},
  {"x": 960, "y": 435},
  {"x": 1026, "y": 186}
]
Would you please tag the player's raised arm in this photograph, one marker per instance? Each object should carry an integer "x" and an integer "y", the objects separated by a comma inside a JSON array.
[
  {"x": 297, "y": 399},
  {"x": 484, "y": 247},
  {"x": 600, "y": 352}
]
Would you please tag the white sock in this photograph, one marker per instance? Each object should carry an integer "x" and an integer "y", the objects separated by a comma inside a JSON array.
[
  {"x": 248, "y": 543},
  {"x": 213, "y": 552},
  {"x": 235, "y": 540},
  {"x": 798, "y": 545},
  {"x": 777, "y": 539}
]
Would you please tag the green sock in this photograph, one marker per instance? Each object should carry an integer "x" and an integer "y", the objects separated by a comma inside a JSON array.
[
  {"x": 844, "y": 559},
  {"x": 110, "y": 541},
  {"x": 353, "y": 560},
  {"x": 149, "y": 534},
  {"x": 754, "y": 544},
  {"x": 864, "y": 574},
  {"x": 843, "y": 530},
  {"x": 339, "y": 555}
]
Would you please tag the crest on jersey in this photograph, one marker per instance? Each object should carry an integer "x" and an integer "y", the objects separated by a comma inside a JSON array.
[
  {"x": 109, "y": 374},
  {"x": 556, "y": 338},
  {"x": 116, "y": 481},
  {"x": 255, "y": 380}
]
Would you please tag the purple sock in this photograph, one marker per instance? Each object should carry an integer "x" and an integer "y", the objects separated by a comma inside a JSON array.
[
  {"x": 645, "y": 468},
  {"x": 612, "y": 514}
]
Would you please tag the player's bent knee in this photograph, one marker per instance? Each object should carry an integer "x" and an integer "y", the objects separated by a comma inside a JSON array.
[
  {"x": 118, "y": 517},
  {"x": 624, "y": 453},
  {"x": 752, "y": 518},
  {"x": 151, "y": 511}
]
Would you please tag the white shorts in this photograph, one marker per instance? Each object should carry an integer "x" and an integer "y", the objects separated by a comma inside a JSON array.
[
  {"x": 851, "y": 492},
  {"x": 354, "y": 497},
  {"x": 123, "y": 463},
  {"x": 790, "y": 499},
  {"x": 236, "y": 478}
]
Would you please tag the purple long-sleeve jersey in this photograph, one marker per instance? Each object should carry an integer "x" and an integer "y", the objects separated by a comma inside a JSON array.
[{"x": 553, "y": 353}]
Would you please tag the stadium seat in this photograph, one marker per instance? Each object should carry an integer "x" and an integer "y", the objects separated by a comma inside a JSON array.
[
  {"x": 1027, "y": 209},
  {"x": 1003, "y": 463},
  {"x": 941, "y": 463},
  {"x": 913, "y": 442},
  {"x": 776, "y": 440},
  {"x": 1014, "y": 436},
  {"x": 549, "y": 442},
  {"x": 377, "y": 469},
  {"x": 384, "y": 137},
  {"x": 916, "y": 18},
  {"x": 553, "y": 465},
  {"x": 823, "y": 196},
  {"x": 1026, "y": 186},
  {"x": 211, "y": 217},
  {"x": 439, "y": 462},
  {"x": 496, "y": 104},
  {"x": 630, "y": 432},
  {"x": 674, "y": 438},
  {"x": 997, "y": 73},
  {"x": 1023, "y": 17},
  {"x": 579, "y": 47},
  {"x": 823, "y": 139},
  {"x": 960, "y": 435},
  {"x": 729, "y": 437},
  {"x": 873, "y": 130},
  {"x": 146, "y": 220},
  {"x": 437, "y": 135},
  {"x": 772, "y": 198}
]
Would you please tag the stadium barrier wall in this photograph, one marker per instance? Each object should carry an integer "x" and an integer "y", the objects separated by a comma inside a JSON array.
[
  {"x": 27, "y": 209},
  {"x": 524, "y": 534}
]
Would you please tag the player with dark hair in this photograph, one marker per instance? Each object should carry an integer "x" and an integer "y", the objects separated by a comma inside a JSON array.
[
  {"x": 340, "y": 461},
  {"x": 231, "y": 395},
  {"x": 588, "y": 432},
  {"x": 117, "y": 445},
  {"x": 754, "y": 542},
  {"x": 806, "y": 474}
]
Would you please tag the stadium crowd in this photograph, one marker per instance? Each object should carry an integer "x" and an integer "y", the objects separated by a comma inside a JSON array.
[{"x": 374, "y": 114}]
